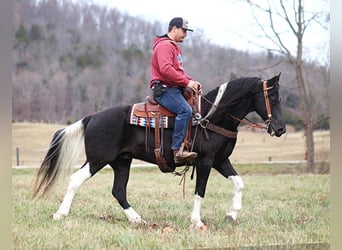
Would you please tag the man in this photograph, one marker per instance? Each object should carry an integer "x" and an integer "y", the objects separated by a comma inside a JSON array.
[{"x": 168, "y": 79}]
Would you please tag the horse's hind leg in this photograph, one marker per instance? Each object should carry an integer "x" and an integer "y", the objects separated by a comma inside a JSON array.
[
  {"x": 76, "y": 180},
  {"x": 121, "y": 167},
  {"x": 227, "y": 170}
]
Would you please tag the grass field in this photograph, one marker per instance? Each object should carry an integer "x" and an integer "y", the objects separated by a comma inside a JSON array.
[{"x": 278, "y": 208}]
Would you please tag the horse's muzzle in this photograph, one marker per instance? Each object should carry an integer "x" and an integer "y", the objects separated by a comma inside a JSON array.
[{"x": 276, "y": 131}]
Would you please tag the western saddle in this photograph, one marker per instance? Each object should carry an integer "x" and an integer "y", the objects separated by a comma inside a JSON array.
[{"x": 151, "y": 109}]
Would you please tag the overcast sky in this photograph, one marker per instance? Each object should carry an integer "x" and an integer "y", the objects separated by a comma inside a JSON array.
[{"x": 226, "y": 22}]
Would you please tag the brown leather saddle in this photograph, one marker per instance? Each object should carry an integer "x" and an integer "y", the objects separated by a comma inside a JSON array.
[{"x": 151, "y": 109}]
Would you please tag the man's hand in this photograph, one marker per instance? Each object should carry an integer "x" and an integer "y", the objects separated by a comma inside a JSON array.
[{"x": 195, "y": 86}]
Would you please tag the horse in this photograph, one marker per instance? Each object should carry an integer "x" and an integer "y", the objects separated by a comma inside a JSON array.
[{"x": 107, "y": 138}]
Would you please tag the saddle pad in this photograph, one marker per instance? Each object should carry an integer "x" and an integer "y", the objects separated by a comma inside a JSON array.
[{"x": 165, "y": 121}]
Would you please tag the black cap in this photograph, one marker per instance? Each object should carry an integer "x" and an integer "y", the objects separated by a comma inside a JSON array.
[{"x": 180, "y": 22}]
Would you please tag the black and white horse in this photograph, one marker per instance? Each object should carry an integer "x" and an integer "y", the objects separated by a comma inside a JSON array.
[{"x": 107, "y": 138}]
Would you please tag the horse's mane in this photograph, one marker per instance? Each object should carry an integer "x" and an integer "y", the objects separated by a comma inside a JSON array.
[{"x": 235, "y": 96}]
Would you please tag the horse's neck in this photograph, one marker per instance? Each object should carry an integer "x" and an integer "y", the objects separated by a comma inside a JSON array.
[
  {"x": 208, "y": 101},
  {"x": 223, "y": 113}
]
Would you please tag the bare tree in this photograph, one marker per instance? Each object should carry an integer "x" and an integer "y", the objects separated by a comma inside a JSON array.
[{"x": 297, "y": 20}]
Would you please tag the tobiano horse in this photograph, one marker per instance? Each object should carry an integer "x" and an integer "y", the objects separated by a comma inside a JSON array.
[{"x": 107, "y": 138}]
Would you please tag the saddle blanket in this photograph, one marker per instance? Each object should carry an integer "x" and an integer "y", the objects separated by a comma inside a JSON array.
[
  {"x": 164, "y": 121},
  {"x": 142, "y": 114}
]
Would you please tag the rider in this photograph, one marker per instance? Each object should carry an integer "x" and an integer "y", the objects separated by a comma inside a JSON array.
[{"x": 168, "y": 79}]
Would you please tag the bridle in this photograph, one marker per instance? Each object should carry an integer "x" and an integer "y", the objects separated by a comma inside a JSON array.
[
  {"x": 204, "y": 121},
  {"x": 268, "y": 110},
  {"x": 267, "y": 103}
]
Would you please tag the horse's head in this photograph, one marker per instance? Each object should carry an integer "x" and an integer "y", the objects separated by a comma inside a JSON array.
[{"x": 267, "y": 105}]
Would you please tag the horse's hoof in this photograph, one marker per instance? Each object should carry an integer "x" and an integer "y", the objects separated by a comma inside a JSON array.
[
  {"x": 203, "y": 228},
  {"x": 57, "y": 216},
  {"x": 138, "y": 221},
  {"x": 231, "y": 217},
  {"x": 200, "y": 227}
]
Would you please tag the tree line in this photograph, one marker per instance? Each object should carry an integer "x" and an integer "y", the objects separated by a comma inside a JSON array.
[{"x": 74, "y": 59}]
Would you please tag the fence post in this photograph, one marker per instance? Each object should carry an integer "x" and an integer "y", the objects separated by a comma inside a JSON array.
[{"x": 17, "y": 153}]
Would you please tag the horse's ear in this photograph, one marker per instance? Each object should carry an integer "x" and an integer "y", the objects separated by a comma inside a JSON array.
[{"x": 275, "y": 79}]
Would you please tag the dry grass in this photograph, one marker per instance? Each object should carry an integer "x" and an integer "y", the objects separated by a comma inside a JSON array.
[
  {"x": 259, "y": 146},
  {"x": 32, "y": 139}
]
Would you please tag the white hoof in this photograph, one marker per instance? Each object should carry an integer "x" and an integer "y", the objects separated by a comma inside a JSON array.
[
  {"x": 58, "y": 216},
  {"x": 133, "y": 216},
  {"x": 138, "y": 220},
  {"x": 196, "y": 223}
]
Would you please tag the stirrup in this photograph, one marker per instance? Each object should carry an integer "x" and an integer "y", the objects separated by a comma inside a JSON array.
[{"x": 184, "y": 157}]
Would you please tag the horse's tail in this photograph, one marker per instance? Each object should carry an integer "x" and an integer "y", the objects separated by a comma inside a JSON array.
[{"x": 65, "y": 148}]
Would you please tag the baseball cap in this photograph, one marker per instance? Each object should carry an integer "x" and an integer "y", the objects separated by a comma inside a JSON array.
[{"x": 180, "y": 22}]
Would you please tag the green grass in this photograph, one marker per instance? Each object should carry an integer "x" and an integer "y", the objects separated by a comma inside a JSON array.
[{"x": 277, "y": 210}]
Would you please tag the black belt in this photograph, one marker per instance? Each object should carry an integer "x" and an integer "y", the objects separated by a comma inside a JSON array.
[{"x": 158, "y": 83}]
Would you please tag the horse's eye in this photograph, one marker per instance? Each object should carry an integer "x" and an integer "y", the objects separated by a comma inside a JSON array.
[{"x": 275, "y": 100}]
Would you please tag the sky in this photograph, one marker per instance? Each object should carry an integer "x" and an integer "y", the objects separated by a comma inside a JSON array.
[{"x": 228, "y": 22}]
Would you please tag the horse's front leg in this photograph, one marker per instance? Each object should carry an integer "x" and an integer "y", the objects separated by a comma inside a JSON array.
[
  {"x": 237, "y": 197},
  {"x": 201, "y": 182},
  {"x": 196, "y": 221},
  {"x": 227, "y": 170}
]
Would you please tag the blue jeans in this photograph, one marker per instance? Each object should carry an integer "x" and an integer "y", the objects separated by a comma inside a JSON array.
[{"x": 173, "y": 100}]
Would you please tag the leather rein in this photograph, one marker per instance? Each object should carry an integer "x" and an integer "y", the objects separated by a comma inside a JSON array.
[{"x": 231, "y": 134}]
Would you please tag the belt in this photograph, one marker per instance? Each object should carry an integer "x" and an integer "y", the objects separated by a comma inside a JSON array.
[{"x": 157, "y": 83}]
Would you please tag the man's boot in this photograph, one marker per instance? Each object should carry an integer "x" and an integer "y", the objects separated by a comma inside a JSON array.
[{"x": 181, "y": 157}]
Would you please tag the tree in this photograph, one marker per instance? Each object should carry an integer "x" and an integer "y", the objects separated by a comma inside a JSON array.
[{"x": 298, "y": 21}]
